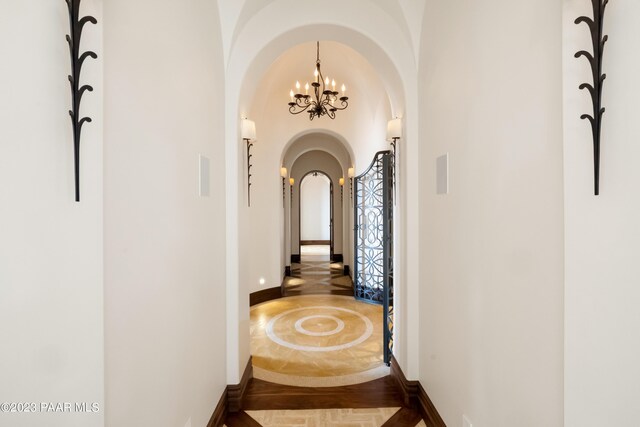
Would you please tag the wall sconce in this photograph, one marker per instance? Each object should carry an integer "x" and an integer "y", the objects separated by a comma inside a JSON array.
[
  {"x": 291, "y": 182},
  {"x": 341, "y": 181},
  {"x": 350, "y": 174},
  {"x": 394, "y": 133},
  {"x": 248, "y": 135},
  {"x": 283, "y": 174}
]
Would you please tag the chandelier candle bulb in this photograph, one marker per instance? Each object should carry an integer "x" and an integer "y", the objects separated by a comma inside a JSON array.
[
  {"x": 297, "y": 85},
  {"x": 306, "y": 89},
  {"x": 333, "y": 85}
]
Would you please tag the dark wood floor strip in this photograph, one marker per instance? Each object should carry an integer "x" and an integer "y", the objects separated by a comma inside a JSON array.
[
  {"x": 241, "y": 419},
  {"x": 405, "y": 417},
  {"x": 380, "y": 393}
]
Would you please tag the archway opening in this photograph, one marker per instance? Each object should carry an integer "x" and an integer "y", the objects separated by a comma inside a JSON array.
[
  {"x": 316, "y": 216},
  {"x": 363, "y": 127}
]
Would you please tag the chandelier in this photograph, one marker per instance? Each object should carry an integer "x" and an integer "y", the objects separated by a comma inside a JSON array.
[{"x": 325, "y": 99}]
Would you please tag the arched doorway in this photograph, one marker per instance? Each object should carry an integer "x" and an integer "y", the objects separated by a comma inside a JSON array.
[
  {"x": 265, "y": 68},
  {"x": 316, "y": 215}
]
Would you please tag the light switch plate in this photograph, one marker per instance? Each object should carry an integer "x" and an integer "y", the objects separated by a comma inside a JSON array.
[
  {"x": 204, "y": 176},
  {"x": 442, "y": 174}
]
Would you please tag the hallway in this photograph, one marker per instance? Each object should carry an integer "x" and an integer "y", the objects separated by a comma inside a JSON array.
[{"x": 316, "y": 274}]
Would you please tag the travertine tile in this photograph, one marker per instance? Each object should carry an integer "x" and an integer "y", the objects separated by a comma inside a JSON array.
[{"x": 286, "y": 336}]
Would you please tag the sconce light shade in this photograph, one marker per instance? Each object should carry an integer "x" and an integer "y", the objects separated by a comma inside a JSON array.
[
  {"x": 341, "y": 181},
  {"x": 394, "y": 129},
  {"x": 350, "y": 172},
  {"x": 291, "y": 181},
  {"x": 283, "y": 172},
  {"x": 248, "y": 130}
]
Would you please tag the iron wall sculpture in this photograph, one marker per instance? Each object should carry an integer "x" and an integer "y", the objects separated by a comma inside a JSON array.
[
  {"x": 595, "y": 60},
  {"x": 77, "y": 59},
  {"x": 249, "y": 155}
]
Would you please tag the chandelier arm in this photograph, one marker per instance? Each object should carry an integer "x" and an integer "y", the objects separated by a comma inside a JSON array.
[
  {"x": 301, "y": 105},
  {"x": 345, "y": 105},
  {"x": 292, "y": 109}
]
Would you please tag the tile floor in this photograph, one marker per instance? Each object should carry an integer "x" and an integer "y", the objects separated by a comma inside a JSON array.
[{"x": 317, "y": 340}]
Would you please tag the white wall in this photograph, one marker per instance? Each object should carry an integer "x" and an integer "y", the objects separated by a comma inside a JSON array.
[
  {"x": 602, "y": 234},
  {"x": 491, "y": 288},
  {"x": 315, "y": 208},
  {"x": 164, "y": 245},
  {"x": 51, "y": 315}
]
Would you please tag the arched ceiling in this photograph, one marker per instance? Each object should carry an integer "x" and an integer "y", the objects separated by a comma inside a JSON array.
[
  {"x": 338, "y": 61},
  {"x": 406, "y": 15},
  {"x": 316, "y": 141}
]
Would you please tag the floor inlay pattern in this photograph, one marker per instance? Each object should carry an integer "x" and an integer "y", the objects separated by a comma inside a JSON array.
[
  {"x": 317, "y": 340},
  {"x": 367, "y": 417},
  {"x": 317, "y": 277}
]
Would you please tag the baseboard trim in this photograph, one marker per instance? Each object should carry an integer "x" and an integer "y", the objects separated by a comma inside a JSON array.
[
  {"x": 415, "y": 396},
  {"x": 428, "y": 409},
  {"x": 315, "y": 242},
  {"x": 220, "y": 413},
  {"x": 265, "y": 295},
  {"x": 235, "y": 393},
  {"x": 287, "y": 271},
  {"x": 231, "y": 399},
  {"x": 346, "y": 270},
  {"x": 337, "y": 258},
  {"x": 408, "y": 388},
  {"x": 295, "y": 258}
]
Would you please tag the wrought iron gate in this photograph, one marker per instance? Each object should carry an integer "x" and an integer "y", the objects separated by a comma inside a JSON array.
[{"x": 373, "y": 260}]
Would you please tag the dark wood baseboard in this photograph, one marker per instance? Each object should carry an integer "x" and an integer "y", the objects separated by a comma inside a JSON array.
[
  {"x": 231, "y": 399},
  {"x": 408, "y": 388},
  {"x": 235, "y": 393},
  {"x": 346, "y": 270},
  {"x": 414, "y": 395},
  {"x": 428, "y": 409},
  {"x": 295, "y": 258},
  {"x": 338, "y": 258},
  {"x": 220, "y": 413},
  {"x": 287, "y": 271},
  {"x": 265, "y": 295},
  {"x": 315, "y": 242}
]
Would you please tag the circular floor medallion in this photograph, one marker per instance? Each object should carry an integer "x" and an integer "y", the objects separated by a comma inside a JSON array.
[
  {"x": 300, "y": 328},
  {"x": 275, "y": 338}
]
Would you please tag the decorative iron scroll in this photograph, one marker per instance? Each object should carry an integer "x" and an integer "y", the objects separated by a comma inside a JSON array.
[
  {"x": 373, "y": 260},
  {"x": 598, "y": 40},
  {"x": 77, "y": 24}
]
